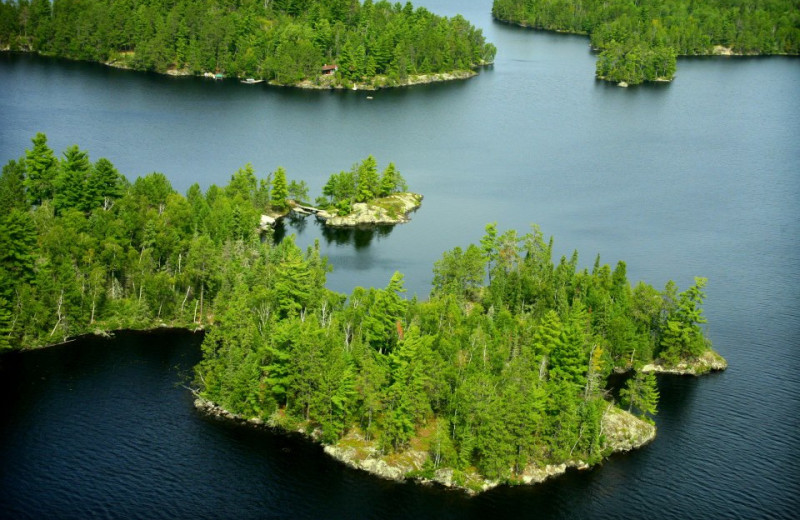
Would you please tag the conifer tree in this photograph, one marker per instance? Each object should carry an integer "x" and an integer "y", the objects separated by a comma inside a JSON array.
[
  {"x": 103, "y": 186},
  {"x": 391, "y": 181},
  {"x": 41, "y": 167},
  {"x": 280, "y": 189},
  {"x": 12, "y": 187},
  {"x": 641, "y": 393},
  {"x": 367, "y": 175},
  {"x": 71, "y": 180}
]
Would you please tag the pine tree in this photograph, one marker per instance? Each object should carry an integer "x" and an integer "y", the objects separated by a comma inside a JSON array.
[
  {"x": 103, "y": 186},
  {"x": 367, "y": 175},
  {"x": 681, "y": 336},
  {"x": 391, "y": 181},
  {"x": 41, "y": 167},
  {"x": 12, "y": 187},
  {"x": 641, "y": 393},
  {"x": 71, "y": 180},
  {"x": 280, "y": 190},
  {"x": 5, "y": 324},
  {"x": 293, "y": 279}
]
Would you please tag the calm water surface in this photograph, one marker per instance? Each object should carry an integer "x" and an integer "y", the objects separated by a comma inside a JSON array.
[{"x": 697, "y": 178}]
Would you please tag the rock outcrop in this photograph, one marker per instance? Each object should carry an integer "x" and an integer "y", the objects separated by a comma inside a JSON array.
[
  {"x": 709, "y": 361},
  {"x": 622, "y": 432},
  {"x": 393, "y": 209}
]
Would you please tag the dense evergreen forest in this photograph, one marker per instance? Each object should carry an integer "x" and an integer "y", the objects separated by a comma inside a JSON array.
[
  {"x": 285, "y": 41},
  {"x": 505, "y": 364},
  {"x": 82, "y": 249},
  {"x": 639, "y": 41}
]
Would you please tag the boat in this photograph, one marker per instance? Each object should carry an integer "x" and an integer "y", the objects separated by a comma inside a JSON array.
[{"x": 251, "y": 81}]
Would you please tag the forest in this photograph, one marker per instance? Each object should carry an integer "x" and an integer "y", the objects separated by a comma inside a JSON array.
[
  {"x": 640, "y": 41},
  {"x": 504, "y": 364},
  {"x": 283, "y": 41},
  {"x": 84, "y": 250}
]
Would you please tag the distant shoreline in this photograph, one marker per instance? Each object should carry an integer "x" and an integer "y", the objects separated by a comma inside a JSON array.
[{"x": 322, "y": 82}]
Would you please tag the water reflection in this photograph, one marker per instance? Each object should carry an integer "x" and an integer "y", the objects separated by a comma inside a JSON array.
[{"x": 361, "y": 238}]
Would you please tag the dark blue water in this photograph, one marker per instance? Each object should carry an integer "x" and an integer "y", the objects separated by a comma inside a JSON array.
[{"x": 697, "y": 178}]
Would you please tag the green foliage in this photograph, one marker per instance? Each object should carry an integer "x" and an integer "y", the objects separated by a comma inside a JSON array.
[
  {"x": 280, "y": 190},
  {"x": 639, "y": 41},
  {"x": 459, "y": 273},
  {"x": 361, "y": 184},
  {"x": 12, "y": 187},
  {"x": 494, "y": 375},
  {"x": 285, "y": 42},
  {"x": 40, "y": 171},
  {"x": 681, "y": 336},
  {"x": 641, "y": 393}
]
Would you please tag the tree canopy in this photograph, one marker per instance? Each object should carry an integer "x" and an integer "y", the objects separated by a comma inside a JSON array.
[
  {"x": 285, "y": 41},
  {"x": 639, "y": 41},
  {"x": 503, "y": 366}
]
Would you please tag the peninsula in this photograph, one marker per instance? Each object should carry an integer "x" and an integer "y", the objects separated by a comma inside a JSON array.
[
  {"x": 499, "y": 377},
  {"x": 301, "y": 43},
  {"x": 640, "y": 41}
]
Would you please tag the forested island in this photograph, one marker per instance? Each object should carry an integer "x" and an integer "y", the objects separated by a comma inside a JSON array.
[
  {"x": 499, "y": 377},
  {"x": 359, "y": 197},
  {"x": 308, "y": 43},
  {"x": 640, "y": 41}
]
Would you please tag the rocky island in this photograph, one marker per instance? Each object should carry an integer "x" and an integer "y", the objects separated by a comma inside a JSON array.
[{"x": 358, "y": 198}]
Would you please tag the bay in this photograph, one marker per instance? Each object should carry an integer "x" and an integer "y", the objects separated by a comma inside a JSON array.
[{"x": 697, "y": 178}]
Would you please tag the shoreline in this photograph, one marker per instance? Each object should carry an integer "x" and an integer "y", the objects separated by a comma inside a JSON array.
[
  {"x": 378, "y": 82},
  {"x": 385, "y": 211},
  {"x": 110, "y": 333},
  {"x": 709, "y": 361},
  {"x": 624, "y": 432},
  {"x": 715, "y": 51}
]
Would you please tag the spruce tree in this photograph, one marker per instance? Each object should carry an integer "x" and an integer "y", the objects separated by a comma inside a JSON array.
[
  {"x": 641, "y": 393},
  {"x": 41, "y": 167},
  {"x": 12, "y": 187},
  {"x": 367, "y": 175},
  {"x": 280, "y": 190},
  {"x": 103, "y": 186}
]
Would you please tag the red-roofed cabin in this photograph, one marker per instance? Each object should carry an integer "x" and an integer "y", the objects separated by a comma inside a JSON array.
[{"x": 329, "y": 69}]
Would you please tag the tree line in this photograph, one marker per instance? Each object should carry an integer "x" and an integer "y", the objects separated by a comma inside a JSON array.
[
  {"x": 286, "y": 41},
  {"x": 640, "y": 41},
  {"x": 505, "y": 363}
]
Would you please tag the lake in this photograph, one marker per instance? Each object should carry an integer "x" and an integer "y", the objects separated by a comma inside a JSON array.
[{"x": 700, "y": 177}]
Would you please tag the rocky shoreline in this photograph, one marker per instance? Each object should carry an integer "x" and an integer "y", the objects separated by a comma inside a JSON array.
[
  {"x": 320, "y": 83},
  {"x": 622, "y": 431},
  {"x": 710, "y": 361},
  {"x": 386, "y": 211}
]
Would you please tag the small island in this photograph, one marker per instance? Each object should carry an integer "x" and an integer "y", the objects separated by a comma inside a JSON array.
[
  {"x": 316, "y": 44},
  {"x": 500, "y": 377},
  {"x": 640, "y": 41},
  {"x": 357, "y": 198}
]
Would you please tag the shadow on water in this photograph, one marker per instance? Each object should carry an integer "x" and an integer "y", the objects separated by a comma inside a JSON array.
[
  {"x": 677, "y": 394},
  {"x": 361, "y": 238}
]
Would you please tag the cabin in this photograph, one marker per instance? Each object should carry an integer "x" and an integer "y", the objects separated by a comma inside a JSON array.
[{"x": 327, "y": 70}]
